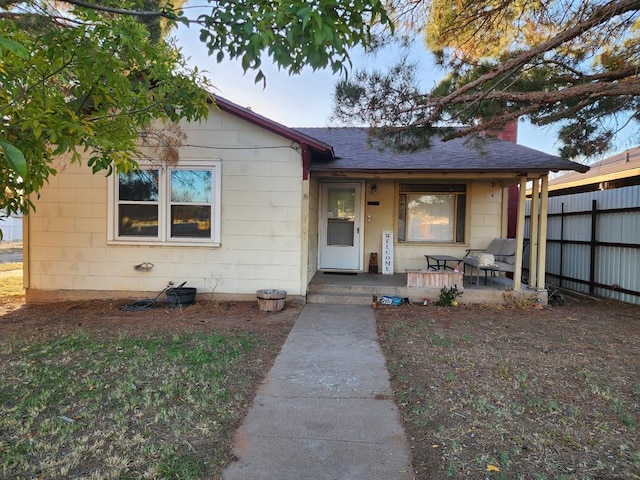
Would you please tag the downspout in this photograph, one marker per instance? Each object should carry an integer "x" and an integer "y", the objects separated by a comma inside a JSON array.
[
  {"x": 304, "y": 219},
  {"x": 304, "y": 240}
]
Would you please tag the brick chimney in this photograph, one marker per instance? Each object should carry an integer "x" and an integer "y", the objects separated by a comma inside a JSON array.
[{"x": 509, "y": 132}]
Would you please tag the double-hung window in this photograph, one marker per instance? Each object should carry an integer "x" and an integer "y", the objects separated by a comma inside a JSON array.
[
  {"x": 432, "y": 213},
  {"x": 167, "y": 205}
]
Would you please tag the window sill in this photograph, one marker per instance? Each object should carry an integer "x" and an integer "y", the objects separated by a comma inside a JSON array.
[{"x": 147, "y": 243}]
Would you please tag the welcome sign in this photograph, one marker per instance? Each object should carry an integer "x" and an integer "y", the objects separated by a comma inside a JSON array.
[{"x": 387, "y": 252}]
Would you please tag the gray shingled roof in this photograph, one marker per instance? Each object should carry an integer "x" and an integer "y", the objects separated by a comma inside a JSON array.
[{"x": 353, "y": 152}]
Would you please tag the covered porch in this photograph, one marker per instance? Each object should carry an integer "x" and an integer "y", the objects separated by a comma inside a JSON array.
[{"x": 401, "y": 207}]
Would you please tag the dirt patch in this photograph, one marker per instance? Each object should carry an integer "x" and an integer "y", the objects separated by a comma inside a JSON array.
[
  {"x": 490, "y": 392},
  {"x": 105, "y": 318}
]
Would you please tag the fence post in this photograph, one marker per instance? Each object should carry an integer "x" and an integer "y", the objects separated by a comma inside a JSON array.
[
  {"x": 561, "y": 243},
  {"x": 592, "y": 266}
]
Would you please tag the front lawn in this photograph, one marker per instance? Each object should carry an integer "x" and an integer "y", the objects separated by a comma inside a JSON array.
[
  {"x": 84, "y": 398},
  {"x": 499, "y": 393}
]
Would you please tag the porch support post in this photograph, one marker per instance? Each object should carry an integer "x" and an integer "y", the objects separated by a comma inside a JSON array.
[
  {"x": 542, "y": 248},
  {"x": 522, "y": 196},
  {"x": 533, "y": 234}
]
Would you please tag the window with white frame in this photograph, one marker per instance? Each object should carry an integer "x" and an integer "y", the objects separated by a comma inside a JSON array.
[
  {"x": 167, "y": 204},
  {"x": 432, "y": 213}
]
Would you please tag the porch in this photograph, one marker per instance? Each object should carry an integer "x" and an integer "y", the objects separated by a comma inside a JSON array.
[{"x": 359, "y": 289}]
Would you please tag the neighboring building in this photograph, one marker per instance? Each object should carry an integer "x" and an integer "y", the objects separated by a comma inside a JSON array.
[
  {"x": 593, "y": 237},
  {"x": 617, "y": 171},
  {"x": 11, "y": 227},
  {"x": 252, "y": 204}
]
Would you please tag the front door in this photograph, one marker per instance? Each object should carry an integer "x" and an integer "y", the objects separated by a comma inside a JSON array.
[{"x": 340, "y": 226}]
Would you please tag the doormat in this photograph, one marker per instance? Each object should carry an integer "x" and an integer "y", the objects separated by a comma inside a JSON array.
[{"x": 341, "y": 273}]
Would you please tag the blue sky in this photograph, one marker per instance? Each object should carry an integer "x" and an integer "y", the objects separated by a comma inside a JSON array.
[{"x": 306, "y": 100}]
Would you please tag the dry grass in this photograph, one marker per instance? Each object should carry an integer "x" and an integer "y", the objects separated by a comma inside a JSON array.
[
  {"x": 130, "y": 408},
  {"x": 518, "y": 393},
  {"x": 10, "y": 266},
  {"x": 91, "y": 392},
  {"x": 11, "y": 287}
]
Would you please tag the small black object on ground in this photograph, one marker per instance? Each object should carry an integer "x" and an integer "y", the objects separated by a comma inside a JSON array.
[{"x": 179, "y": 296}]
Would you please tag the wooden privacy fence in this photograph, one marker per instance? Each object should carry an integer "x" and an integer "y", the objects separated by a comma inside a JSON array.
[{"x": 596, "y": 250}]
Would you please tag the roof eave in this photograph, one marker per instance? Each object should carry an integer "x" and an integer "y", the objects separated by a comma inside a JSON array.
[
  {"x": 274, "y": 127},
  {"x": 519, "y": 172}
]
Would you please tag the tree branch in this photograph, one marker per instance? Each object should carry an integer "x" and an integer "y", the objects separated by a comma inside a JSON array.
[
  {"x": 606, "y": 76},
  {"x": 528, "y": 103},
  {"x": 591, "y": 90},
  {"x": 601, "y": 14},
  {"x": 122, "y": 11}
]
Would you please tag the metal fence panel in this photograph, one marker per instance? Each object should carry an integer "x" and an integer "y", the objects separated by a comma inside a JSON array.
[{"x": 616, "y": 267}]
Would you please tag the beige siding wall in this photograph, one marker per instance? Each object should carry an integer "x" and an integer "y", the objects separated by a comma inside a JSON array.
[
  {"x": 314, "y": 205},
  {"x": 378, "y": 218},
  {"x": 485, "y": 220},
  {"x": 67, "y": 232},
  {"x": 261, "y": 225}
]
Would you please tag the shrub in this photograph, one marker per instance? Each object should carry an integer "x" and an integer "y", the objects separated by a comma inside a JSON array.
[{"x": 448, "y": 295}]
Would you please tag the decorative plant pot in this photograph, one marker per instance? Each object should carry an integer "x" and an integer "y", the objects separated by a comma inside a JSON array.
[
  {"x": 271, "y": 300},
  {"x": 181, "y": 296}
]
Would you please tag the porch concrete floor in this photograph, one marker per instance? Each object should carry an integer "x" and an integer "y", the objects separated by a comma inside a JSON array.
[
  {"x": 399, "y": 280},
  {"x": 357, "y": 288}
]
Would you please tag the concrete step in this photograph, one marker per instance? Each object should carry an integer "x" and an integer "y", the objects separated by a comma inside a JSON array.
[
  {"x": 340, "y": 298},
  {"x": 350, "y": 294},
  {"x": 356, "y": 289}
]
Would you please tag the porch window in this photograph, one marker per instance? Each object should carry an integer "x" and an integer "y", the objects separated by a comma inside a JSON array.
[
  {"x": 169, "y": 205},
  {"x": 432, "y": 213}
]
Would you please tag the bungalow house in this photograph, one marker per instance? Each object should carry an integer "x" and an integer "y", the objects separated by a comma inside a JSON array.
[{"x": 252, "y": 204}]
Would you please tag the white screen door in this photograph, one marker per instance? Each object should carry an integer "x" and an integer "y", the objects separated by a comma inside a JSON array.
[{"x": 340, "y": 226}]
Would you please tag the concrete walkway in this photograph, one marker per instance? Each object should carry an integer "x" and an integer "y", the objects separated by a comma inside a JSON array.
[{"x": 325, "y": 411}]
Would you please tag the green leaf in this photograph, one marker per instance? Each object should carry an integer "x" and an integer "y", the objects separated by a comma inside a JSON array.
[
  {"x": 13, "y": 46},
  {"x": 261, "y": 78},
  {"x": 182, "y": 19},
  {"x": 246, "y": 62},
  {"x": 15, "y": 158}
]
